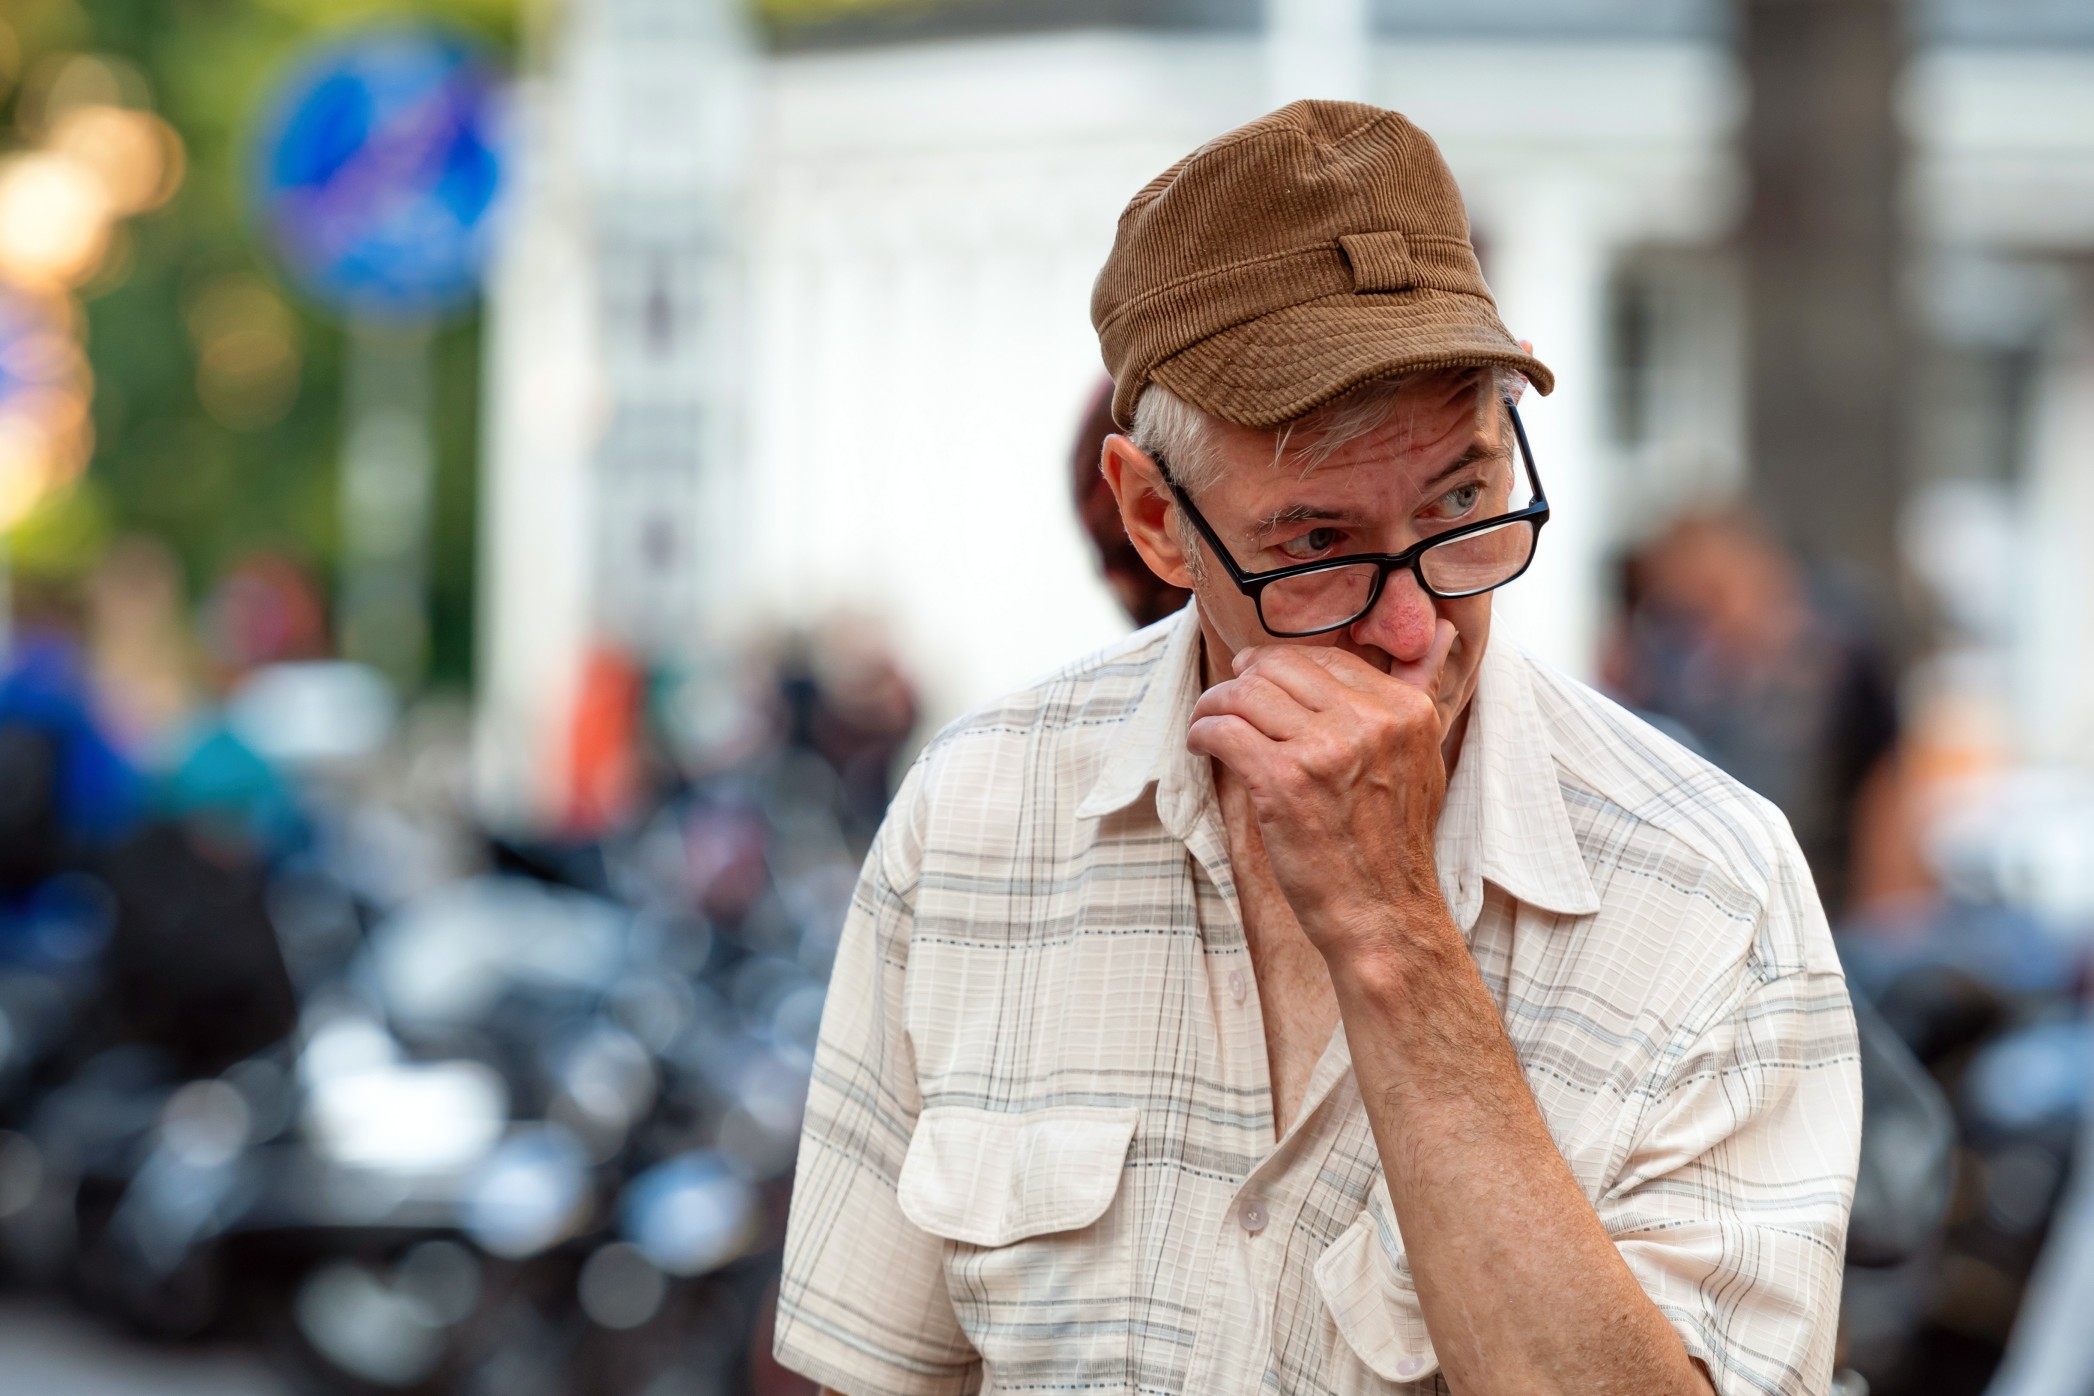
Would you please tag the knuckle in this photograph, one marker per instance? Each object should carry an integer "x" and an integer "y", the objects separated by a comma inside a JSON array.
[
  {"x": 1412, "y": 706},
  {"x": 1321, "y": 760},
  {"x": 1294, "y": 777}
]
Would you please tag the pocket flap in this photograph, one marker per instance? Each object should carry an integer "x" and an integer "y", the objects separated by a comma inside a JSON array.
[
  {"x": 991, "y": 1177},
  {"x": 1374, "y": 1305}
]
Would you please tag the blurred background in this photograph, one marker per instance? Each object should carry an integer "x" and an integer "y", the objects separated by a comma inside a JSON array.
[{"x": 492, "y": 493}]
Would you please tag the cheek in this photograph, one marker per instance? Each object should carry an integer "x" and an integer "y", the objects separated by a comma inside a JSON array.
[
  {"x": 1233, "y": 615},
  {"x": 1472, "y": 624}
]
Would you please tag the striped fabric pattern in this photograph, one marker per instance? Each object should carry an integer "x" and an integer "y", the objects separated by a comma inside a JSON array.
[{"x": 1040, "y": 1153}]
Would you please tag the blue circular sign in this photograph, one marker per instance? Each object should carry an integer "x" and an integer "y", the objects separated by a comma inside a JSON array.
[{"x": 378, "y": 168}]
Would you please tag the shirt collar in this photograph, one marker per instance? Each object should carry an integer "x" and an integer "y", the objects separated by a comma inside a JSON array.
[
  {"x": 1504, "y": 820},
  {"x": 1149, "y": 748}
]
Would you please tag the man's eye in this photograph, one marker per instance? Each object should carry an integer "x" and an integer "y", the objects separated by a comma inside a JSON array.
[
  {"x": 1459, "y": 500},
  {"x": 1315, "y": 541}
]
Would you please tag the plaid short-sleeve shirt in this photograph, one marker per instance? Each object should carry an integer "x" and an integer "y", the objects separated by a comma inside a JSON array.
[{"x": 1039, "y": 1153}]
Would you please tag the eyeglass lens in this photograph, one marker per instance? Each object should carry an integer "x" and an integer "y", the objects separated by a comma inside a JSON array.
[{"x": 1335, "y": 596}]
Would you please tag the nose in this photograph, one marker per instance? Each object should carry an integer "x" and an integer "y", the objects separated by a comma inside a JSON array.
[{"x": 1401, "y": 621}]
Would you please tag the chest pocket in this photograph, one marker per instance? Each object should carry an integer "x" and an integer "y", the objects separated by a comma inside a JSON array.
[
  {"x": 1037, "y": 1257},
  {"x": 1372, "y": 1300}
]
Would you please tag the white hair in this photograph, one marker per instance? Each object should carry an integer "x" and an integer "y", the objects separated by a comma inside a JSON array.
[{"x": 1173, "y": 431}]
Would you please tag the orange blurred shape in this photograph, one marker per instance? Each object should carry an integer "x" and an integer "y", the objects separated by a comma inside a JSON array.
[
  {"x": 45, "y": 439},
  {"x": 603, "y": 744},
  {"x": 1955, "y": 744}
]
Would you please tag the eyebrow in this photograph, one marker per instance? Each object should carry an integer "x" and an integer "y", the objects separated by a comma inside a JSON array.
[
  {"x": 1478, "y": 452},
  {"x": 1297, "y": 513}
]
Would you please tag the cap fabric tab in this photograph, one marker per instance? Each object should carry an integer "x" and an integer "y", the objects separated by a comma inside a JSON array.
[{"x": 1380, "y": 261}]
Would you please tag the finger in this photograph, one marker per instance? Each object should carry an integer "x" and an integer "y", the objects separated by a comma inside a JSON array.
[
  {"x": 1304, "y": 672},
  {"x": 1232, "y": 741},
  {"x": 1259, "y": 701},
  {"x": 1349, "y": 670},
  {"x": 1425, "y": 673}
]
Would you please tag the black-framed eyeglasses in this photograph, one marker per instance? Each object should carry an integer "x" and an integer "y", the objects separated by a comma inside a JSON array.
[{"x": 1314, "y": 598}]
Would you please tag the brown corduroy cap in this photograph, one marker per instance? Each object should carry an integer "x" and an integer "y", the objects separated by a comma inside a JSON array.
[{"x": 1292, "y": 260}]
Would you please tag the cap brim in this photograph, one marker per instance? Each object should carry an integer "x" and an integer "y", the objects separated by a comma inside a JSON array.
[{"x": 1281, "y": 366}]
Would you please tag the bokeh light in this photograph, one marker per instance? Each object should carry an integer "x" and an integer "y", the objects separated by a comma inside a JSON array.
[
  {"x": 54, "y": 219},
  {"x": 136, "y": 156},
  {"x": 10, "y": 57},
  {"x": 63, "y": 82},
  {"x": 45, "y": 434},
  {"x": 94, "y": 155},
  {"x": 248, "y": 352}
]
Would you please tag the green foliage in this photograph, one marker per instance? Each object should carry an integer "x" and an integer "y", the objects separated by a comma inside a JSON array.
[
  {"x": 217, "y": 488},
  {"x": 63, "y": 535},
  {"x": 792, "y": 13}
]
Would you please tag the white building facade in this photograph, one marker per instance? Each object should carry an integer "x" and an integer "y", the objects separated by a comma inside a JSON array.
[{"x": 902, "y": 346}]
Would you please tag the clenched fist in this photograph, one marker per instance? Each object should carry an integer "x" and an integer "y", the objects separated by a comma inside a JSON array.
[{"x": 1344, "y": 766}]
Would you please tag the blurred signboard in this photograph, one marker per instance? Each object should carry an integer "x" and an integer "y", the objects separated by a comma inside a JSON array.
[
  {"x": 376, "y": 176},
  {"x": 377, "y": 171}
]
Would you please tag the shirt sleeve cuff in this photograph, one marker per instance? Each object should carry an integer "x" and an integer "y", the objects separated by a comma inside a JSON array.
[{"x": 846, "y": 1365}]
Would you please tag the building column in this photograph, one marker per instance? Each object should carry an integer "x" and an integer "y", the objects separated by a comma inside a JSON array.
[
  {"x": 1829, "y": 349},
  {"x": 2053, "y": 663},
  {"x": 661, "y": 105},
  {"x": 612, "y": 393},
  {"x": 1316, "y": 48},
  {"x": 1547, "y": 259}
]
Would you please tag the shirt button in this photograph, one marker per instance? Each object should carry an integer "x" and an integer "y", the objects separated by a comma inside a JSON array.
[
  {"x": 1252, "y": 1215},
  {"x": 1410, "y": 1367},
  {"x": 1237, "y": 987}
]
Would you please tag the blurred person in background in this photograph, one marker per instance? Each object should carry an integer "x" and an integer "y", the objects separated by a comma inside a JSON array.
[
  {"x": 1771, "y": 675},
  {"x": 67, "y": 790},
  {"x": 264, "y": 610},
  {"x": 1144, "y": 596},
  {"x": 848, "y": 701},
  {"x": 163, "y": 914},
  {"x": 1265, "y": 1002},
  {"x": 146, "y": 664}
]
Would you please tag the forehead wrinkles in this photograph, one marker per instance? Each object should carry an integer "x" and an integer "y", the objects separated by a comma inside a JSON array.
[{"x": 1418, "y": 420}]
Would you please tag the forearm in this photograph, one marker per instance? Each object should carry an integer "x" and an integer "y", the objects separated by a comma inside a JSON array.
[{"x": 1521, "y": 1287}]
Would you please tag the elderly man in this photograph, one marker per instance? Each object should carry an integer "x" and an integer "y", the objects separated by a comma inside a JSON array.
[{"x": 1309, "y": 995}]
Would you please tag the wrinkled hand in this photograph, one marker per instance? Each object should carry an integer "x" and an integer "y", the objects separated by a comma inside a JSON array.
[{"x": 1343, "y": 766}]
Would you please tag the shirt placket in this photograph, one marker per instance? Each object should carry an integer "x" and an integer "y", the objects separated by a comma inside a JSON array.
[{"x": 1233, "y": 1338}]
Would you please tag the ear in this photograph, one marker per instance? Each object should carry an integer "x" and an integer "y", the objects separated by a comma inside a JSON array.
[{"x": 1146, "y": 508}]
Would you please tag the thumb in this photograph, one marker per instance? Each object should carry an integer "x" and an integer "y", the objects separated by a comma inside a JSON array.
[{"x": 1424, "y": 673}]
